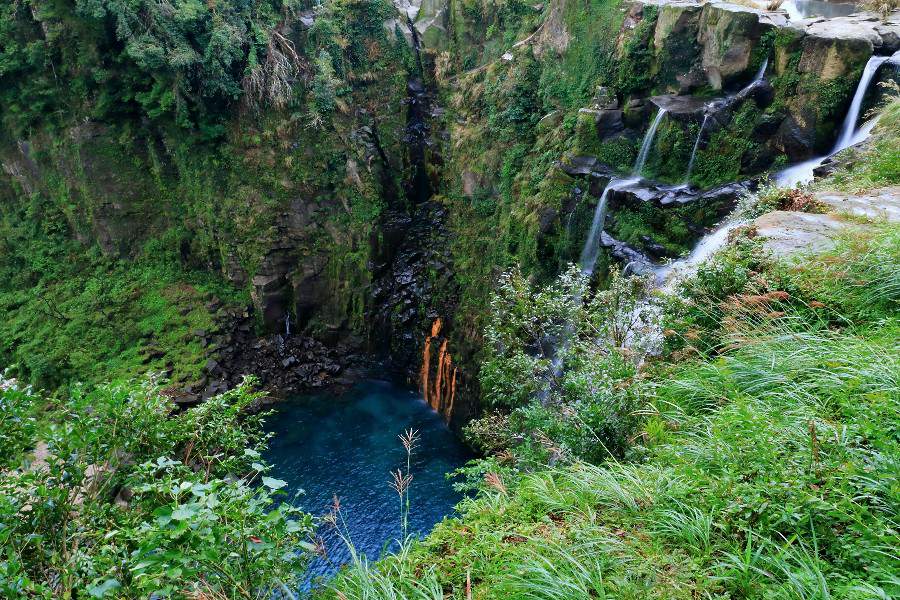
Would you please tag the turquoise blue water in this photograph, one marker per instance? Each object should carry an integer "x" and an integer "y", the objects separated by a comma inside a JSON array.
[{"x": 347, "y": 446}]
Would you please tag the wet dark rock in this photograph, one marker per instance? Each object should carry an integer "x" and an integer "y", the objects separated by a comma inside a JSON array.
[
  {"x": 547, "y": 220},
  {"x": 766, "y": 127},
  {"x": 186, "y": 399},
  {"x": 656, "y": 250},
  {"x": 633, "y": 260},
  {"x": 681, "y": 105},
  {"x": 581, "y": 165},
  {"x": 661, "y": 208},
  {"x": 663, "y": 196},
  {"x": 794, "y": 140}
]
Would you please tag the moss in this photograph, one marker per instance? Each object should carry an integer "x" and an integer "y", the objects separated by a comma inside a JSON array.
[
  {"x": 676, "y": 56},
  {"x": 618, "y": 152},
  {"x": 722, "y": 158},
  {"x": 671, "y": 150},
  {"x": 635, "y": 65}
]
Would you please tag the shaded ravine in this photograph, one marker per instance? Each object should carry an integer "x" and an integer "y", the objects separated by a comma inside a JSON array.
[{"x": 346, "y": 445}]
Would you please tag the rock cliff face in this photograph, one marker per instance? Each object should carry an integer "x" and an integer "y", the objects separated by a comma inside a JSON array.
[{"x": 467, "y": 137}]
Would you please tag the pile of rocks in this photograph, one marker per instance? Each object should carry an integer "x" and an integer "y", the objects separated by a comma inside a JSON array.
[{"x": 284, "y": 365}]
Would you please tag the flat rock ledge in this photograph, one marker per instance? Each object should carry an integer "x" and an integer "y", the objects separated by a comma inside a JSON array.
[{"x": 797, "y": 233}]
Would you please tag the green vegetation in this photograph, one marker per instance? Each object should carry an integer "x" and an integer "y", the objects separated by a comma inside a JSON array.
[
  {"x": 177, "y": 142},
  {"x": 755, "y": 456},
  {"x": 565, "y": 400},
  {"x": 764, "y": 465},
  {"x": 877, "y": 166},
  {"x": 107, "y": 495},
  {"x": 727, "y": 149},
  {"x": 74, "y": 314},
  {"x": 738, "y": 440}
]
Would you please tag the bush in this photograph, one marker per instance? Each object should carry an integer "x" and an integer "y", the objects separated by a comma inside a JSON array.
[
  {"x": 556, "y": 358},
  {"x": 125, "y": 500}
]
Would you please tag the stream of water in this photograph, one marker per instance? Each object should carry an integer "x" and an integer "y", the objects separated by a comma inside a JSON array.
[
  {"x": 848, "y": 136},
  {"x": 648, "y": 142},
  {"x": 346, "y": 445}
]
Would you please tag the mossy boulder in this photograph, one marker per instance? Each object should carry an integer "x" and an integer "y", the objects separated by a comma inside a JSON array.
[
  {"x": 675, "y": 41},
  {"x": 729, "y": 34}
]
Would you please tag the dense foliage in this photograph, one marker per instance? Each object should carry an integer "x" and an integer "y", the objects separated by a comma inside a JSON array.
[
  {"x": 75, "y": 314},
  {"x": 765, "y": 465},
  {"x": 186, "y": 62},
  {"x": 557, "y": 371},
  {"x": 106, "y": 494}
]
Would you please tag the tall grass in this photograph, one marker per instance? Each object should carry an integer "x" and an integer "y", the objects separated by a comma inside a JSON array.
[{"x": 772, "y": 471}]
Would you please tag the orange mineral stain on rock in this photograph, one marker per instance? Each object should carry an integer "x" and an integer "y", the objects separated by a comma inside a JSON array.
[{"x": 439, "y": 381}]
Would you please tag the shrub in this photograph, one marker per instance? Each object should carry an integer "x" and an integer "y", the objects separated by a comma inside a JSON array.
[
  {"x": 128, "y": 501},
  {"x": 555, "y": 359}
]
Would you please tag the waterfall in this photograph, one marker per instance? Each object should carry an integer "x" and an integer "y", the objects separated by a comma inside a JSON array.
[
  {"x": 668, "y": 275},
  {"x": 648, "y": 142},
  {"x": 762, "y": 71},
  {"x": 803, "y": 172},
  {"x": 592, "y": 244},
  {"x": 845, "y": 138},
  {"x": 287, "y": 325},
  {"x": 760, "y": 75},
  {"x": 690, "y": 167}
]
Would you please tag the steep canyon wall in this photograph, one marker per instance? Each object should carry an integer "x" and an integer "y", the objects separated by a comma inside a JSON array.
[{"x": 461, "y": 137}]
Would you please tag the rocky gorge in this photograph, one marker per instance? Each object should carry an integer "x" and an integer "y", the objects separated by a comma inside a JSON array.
[
  {"x": 377, "y": 234},
  {"x": 494, "y": 299}
]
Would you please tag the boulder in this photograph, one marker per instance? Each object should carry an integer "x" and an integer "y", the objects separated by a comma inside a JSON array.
[
  {"x": 882, "y": 204},
  {"x": 728, "y": 34},
  {"x": 836, "y": 47},
  {"x": 607, "y": 122},
  {"x": 790, "y": 233},
  {"x": 430, "y": 19},
  {"x": 634, "y": 261},
  {"x": 675, "y": 43}
]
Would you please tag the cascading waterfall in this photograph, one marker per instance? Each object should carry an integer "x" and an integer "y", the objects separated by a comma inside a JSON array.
[
  {"x": 762, "y": 71},
  {"x": 592, "y": 244},
  {"x": 690, "y": 167},
  {"x": 760, "y": 75},
  {"x": 848, "y": 136},
  {"x": 849, "y": 127},
  {"x": 668, "y": 275},
  {"x": 648, "y": 142},
  {"x": 591, "y": 249}
]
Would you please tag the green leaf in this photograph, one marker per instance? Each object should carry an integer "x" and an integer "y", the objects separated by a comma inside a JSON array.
[
  {"x": 100, "y": 590},
  {"x": 273, "y": 484},
  {"x": 182, "y": 513}
]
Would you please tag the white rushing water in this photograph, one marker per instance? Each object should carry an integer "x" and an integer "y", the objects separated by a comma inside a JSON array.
[
  {"x": 591, "y": 248},
  {"x": 846, "y": 136},
  {"x": 849, "y": 135},
  {"x": 690, "y": 167},
  {"x": 762, "y": 71},
  {"x": 668, "y": 275},
  {"x": 648, "y": 142}
]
